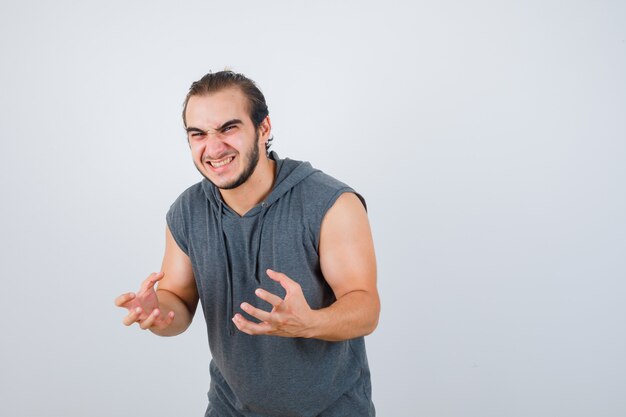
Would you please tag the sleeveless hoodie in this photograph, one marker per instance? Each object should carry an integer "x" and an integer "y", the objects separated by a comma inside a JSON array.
[{"x": 267, "y": 375}]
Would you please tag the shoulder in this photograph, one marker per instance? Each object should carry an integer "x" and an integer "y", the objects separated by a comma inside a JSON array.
[
  {"x": 190, "y": 195},
  {"x": 189, "y": 202},
  {"x": 326, "y": 190},
  {"x": 180, "y": 215},
  {"x": 317, "y": 194}
]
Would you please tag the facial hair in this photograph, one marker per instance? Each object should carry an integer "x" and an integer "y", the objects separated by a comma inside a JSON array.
[{"x": 253, "y": 160}]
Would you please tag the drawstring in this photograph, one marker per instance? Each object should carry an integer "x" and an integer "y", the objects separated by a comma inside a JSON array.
[
  {"x": 257, "y": 261},
  {"x": 230, "y": 327}
]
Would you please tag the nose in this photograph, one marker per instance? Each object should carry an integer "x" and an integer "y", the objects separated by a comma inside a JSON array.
[{"x": 214, "y": 146}]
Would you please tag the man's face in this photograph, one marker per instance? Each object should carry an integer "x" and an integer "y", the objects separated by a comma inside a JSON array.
[{"x": 224, "y": 143}]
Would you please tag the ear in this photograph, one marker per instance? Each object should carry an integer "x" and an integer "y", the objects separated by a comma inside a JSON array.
[{"x": 265, "y": 129}]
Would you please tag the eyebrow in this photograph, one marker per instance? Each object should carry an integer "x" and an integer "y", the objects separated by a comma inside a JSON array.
[{"x": 224, "y": 125}]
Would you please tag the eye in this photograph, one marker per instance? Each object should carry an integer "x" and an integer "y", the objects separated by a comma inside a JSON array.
[
  {"x": 196, "y": 135},
  {"x": 229, "y": 128}
]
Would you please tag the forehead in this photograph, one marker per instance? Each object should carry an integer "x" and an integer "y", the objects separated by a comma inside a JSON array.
[{"x": 211, "y": 110}]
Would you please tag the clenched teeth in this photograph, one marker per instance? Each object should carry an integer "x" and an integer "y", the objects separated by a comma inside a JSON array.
[{"x": 221, "y": 163}]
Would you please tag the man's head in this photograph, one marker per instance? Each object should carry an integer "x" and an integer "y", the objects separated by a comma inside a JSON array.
[
  {"x": 214, "y": 82},
  {"x": 227, "y": 121}
]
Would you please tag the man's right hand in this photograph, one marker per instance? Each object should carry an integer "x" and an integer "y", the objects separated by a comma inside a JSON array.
[{"x": 143, "y": 307}]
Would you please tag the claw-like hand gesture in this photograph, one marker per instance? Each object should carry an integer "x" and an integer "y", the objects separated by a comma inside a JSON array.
[
  {"x": 143, "y": 307},
  {"x": 291, "y": 317}
]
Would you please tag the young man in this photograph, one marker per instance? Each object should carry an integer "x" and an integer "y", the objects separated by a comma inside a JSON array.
[{"x": 282, "y": 259}]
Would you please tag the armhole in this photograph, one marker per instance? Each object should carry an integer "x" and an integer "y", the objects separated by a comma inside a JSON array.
[
  {"x": 177, "y": 230},
  {"x": 331, "y": 202}
]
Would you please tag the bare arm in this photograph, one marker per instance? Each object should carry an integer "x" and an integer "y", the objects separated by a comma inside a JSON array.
[
  {"x": 177, "y": 291},
  {"x": 176, "y": 294},
  {"x": 349, "y": 266}
]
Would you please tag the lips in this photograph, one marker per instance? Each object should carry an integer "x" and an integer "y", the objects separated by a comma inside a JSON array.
[{"x": 222, "y": 162}]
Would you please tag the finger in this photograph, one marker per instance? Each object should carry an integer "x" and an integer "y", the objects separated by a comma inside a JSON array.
[
  {"x": 152, "y": 279},
  {"x": 132, "y": 317},
  {"x": 149, "y": 321},
  {"x": 255, "y": 312},
  {"x": 163, "y": 322},
  {"x": 124, "y": 298},
  {"x": 274, "y": 300},
  {"x": 169, "y": 319},
  {"x": 251, "y": 328},
  {"x": 286, "y": 282}
]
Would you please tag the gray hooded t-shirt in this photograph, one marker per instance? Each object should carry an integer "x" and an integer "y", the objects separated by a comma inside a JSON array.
[{"x": 269, "y": 375}]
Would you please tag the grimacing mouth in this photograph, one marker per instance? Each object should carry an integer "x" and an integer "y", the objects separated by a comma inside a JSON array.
[{"x": 221, "y": 162}]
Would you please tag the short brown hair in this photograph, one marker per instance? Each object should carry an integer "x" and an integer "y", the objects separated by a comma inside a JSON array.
[{"x": 214, "y": 82}]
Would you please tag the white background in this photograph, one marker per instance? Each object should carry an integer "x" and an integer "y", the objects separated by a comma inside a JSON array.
[{"x": 489, "y": 139}]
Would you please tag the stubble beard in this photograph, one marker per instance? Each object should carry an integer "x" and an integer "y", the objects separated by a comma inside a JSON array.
[{"x": 253, "y": 161}]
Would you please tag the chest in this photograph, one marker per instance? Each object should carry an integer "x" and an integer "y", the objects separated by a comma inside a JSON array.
[{"x": 236, "y": 251}]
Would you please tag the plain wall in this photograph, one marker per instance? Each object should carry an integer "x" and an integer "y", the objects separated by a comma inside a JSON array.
[{"x": 489, "y": 139}]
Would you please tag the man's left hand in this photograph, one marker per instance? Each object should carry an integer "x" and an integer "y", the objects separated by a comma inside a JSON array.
[{"x": 290, "y": 317}]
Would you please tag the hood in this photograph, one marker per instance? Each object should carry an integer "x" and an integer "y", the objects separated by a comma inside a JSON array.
[{"x": 289, "y": 173}]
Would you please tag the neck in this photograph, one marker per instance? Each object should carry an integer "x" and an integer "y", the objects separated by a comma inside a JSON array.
[{"x": 254, "y": 190}]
